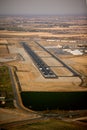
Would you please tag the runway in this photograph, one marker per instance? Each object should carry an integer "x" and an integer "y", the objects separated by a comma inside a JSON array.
[{"x": 41, "y": 65}]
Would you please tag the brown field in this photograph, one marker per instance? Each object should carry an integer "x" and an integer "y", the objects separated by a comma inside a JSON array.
[
  {"x": 80, "y": 64},
  {"x": 35, "y": 82},
  {"x": 77, "y": 62},
  {"x": 42, "y": 54},
  {"x": 30, "y": 83},
  {"x": 50, "y": 61},
  {"x": 3, "y": 49},
  {"x": 62, "y": 71},
  {"x": 40, "y": 34},
  {"x": 3, "y": 41}
]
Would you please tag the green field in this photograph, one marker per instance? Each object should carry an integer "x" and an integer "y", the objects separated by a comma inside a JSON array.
[
  {"x": 50, "y": 124},
  {"x": 6, "y": 86}
]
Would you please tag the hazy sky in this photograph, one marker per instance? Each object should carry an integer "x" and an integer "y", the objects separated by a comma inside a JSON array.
[{"x": 43, "y": 7}]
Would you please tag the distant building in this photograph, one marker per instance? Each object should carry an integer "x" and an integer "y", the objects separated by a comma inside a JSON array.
[
  {"x": 2, "y": 100},
  {"x": 2, "y": 97},
  {"x": 74, "y": 52}
]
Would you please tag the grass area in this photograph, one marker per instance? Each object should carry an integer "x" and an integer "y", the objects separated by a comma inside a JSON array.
[
  {"x": 51, "y": 124},
  {"x": 6, "y": 86}
]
